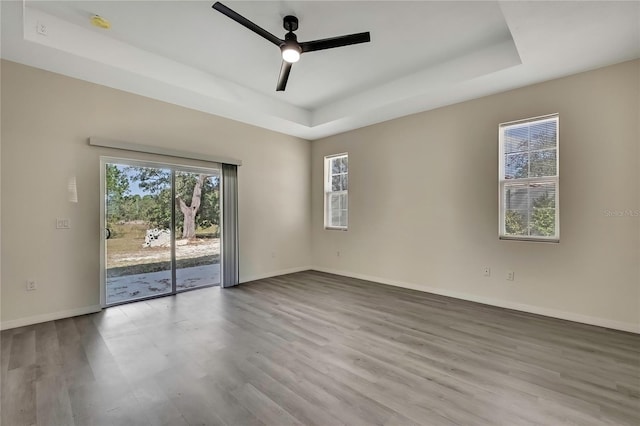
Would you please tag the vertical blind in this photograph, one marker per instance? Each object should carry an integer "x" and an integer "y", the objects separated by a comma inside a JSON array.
[{"x": 230, "y": 264}]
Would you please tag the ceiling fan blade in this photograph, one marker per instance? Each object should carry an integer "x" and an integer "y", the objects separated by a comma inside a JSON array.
[
  {"x": 285, "y": 69},
  {"x": 247, "y": 23},
  {"x": 330, "y": 43}
]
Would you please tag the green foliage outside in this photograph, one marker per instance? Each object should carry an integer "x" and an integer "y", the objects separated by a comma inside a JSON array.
[
  {"x": 117, "y": 183},
  {"x": 209, "y": 211},
  {"x": 515, "y": 223},
  {"x": 543, "y": 219},
  {"x": 154, "y": 207}
]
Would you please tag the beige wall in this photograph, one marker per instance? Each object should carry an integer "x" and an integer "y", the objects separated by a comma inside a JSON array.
[
  {"x": 46, "y": 120},
  {"x": 424, "y": 202},
  {"x": 423, "y": 195}
]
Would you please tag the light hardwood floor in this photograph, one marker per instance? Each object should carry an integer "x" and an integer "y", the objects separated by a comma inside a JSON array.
[{"x": 317, "y": 349}]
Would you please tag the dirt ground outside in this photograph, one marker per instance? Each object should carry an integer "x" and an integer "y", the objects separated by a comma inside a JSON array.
[
  {"x": 134, "y": 271},
  {"x": 192, "y": 253}
]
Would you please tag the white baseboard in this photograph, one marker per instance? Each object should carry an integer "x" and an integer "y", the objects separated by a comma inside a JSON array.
[
  {"x": 570, "y": 316},
  {"x": 274, "y": 273},
  {"x": 36, "y": 319}
]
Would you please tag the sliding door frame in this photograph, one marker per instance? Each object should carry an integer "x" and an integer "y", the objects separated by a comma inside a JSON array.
[{"x": 174, "y": 167}]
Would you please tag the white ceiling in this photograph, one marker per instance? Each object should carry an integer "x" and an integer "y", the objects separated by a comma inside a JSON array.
[{"x": 422, "y": 54}]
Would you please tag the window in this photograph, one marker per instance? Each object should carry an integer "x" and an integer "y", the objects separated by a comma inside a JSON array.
[
  {"x": 336, "y": 183},
  {"x": 529, "y": 179}
]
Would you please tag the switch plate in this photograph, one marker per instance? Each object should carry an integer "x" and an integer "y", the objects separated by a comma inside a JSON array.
[
  {"x": 511, "y": 276},
  {"x": 63, "y": 223},
  {"x": 31, "y": 285},
  {"x": 486, "y": 271}
]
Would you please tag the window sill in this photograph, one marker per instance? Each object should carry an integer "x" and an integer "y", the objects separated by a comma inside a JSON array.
[
  {"x": 530, "y": 239},
  {"x": 333, "y": 228}
]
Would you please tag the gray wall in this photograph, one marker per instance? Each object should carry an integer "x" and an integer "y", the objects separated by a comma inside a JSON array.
[{"x": 424, "y": 202}]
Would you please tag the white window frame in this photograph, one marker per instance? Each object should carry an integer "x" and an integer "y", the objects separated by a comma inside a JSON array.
[
  {"x": 328, "y": 192},
  {"x": 525, "y": 182}
]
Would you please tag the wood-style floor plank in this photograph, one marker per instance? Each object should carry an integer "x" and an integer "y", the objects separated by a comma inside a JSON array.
[{"x": 317, "y": 349}]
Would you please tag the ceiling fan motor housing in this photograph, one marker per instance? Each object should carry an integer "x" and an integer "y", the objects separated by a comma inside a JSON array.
[{"x": 290, "y": 23}]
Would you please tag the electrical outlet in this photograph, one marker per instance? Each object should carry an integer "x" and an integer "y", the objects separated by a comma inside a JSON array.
[
  {"x": 31, "y": 285},
  {"x": 486, "y": 271},
  {"x": 63, "y": 223},
  {"x": 511, "y": 276}
]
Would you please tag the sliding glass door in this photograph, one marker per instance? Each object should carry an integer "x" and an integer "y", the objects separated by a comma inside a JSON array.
[
  {"x": 197, "y": 223},
  {"x": 162, "y": 229}
]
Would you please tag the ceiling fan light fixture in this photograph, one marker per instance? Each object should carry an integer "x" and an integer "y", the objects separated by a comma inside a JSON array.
[
  {"x": 289, "y": 47},
  {"x": 291, "y": 53}
]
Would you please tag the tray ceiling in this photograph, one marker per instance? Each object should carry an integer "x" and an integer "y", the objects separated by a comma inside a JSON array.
[{"x": 422, "y": 55}]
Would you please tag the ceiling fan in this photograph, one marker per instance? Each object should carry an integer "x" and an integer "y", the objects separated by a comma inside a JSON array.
[{"x": 290, "y": 47}]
